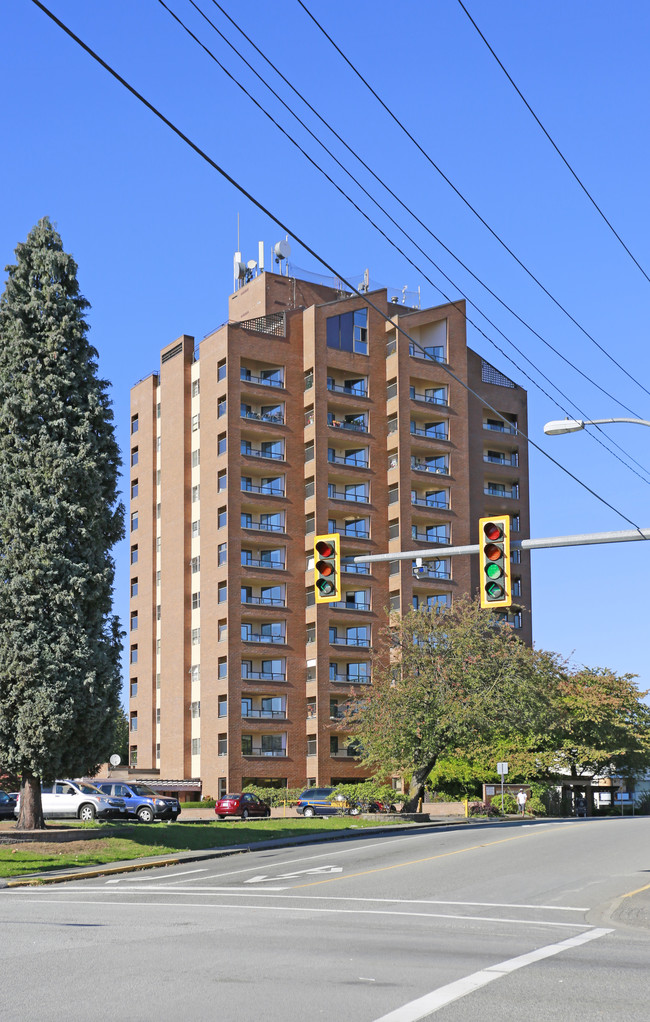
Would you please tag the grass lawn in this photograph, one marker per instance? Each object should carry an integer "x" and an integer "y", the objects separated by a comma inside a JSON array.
[{"x": 115, "y": 842}]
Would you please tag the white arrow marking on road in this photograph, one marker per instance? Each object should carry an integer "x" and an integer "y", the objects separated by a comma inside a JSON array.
[{"x": 291, "y": 876}]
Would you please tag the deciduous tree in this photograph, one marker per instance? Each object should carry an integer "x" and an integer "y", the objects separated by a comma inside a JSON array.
[{"x": 59, "y": 519}]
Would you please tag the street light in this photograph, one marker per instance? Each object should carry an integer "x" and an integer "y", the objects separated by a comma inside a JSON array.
[{"x": 573, "y": 425}]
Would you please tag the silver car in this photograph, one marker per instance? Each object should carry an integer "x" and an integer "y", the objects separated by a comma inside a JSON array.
[{"x": 78, "y": 800}]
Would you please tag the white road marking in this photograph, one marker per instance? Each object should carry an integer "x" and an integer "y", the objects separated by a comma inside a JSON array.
[
  {"x": 322, "y": 911},
  {"x": 262, "y": 877},
  {"x": 427, "y": 1005},
  {"x": 139, "y": 880}
]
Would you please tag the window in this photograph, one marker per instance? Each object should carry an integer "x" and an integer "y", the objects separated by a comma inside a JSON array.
[
  {"x": 221, "y": 406},
  {"x": 134, "y": 489},
  {"x": 158, "y": 410},
  {"x": 196, "y": 493},
  {"x": 157, "y": 681},
  {"x": 196, "y": 746},
  {"x": 196, "y": 636},
  {"x": 157, "y": 578},
  {"x": 134, "y": 587},
  {"x": 134, "y": 555},
  {"x": 222, "y": 704},
  {"x": 195, "y": 709},
  {"x": 222, "y": 518},
  {"x": 134, "y": 722},
  {"x": 311, "y": 633},
  {"x": 349, "y": 331},
  {"x": 247, "y": 745},
  {"x": 393, "y": 601},
  {"x": 195, "y": 672},
  {"x": 309, "y": 524},
  {"x": 134, "y": 621},
  {"x": 222, "y": 629},
  {"x": 158, "y": 751},
  {"x": 196, "y": 457},
  {"x": 158, "y": 544},
  {"x": 157, "y": 716},
  {"x": 222, "y": 745},
  {"x": 222, "y": 443},
  {"x": 515, "y": 556},
  {"x": 221, "y": 370},
  {"x": 222, "y": 592},
  {"x": 134, "y": 423},
  {"x": 134, "y": 521},
  {"x": 309, "y": 379},
  {"x": 311, "y": 745},
  {"x": 196, "y": 600},
  {"x": 246, "y": 706},
  {"x": 196, "y": 422},
  {"x": 221, "y": 787},
  {"x": 158, "y": 477},
  {"x": 158, "y": 510},
  {"x": 222, "y": 553},
  {"x": 133, "y": 658},
  {"x": 309, "y": 452},
  {"x": 134, "y": 688},
  {"x": 222, "y": 480},
  {"x": 196, "y": 528},
  {"x": 133, "y": 755},
  {"x": 196, "y": 388},
  {"x": 222, "y": 667},
  {"x": 158, "y": 444}
]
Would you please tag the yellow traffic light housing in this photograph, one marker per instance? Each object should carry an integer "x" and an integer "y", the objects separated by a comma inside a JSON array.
[
  {"x": 494, "y": 555},
  {"x": 327, "y": 567}
]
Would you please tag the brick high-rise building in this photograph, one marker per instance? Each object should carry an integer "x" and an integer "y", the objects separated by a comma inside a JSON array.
[{"x": 306, "y": 413}]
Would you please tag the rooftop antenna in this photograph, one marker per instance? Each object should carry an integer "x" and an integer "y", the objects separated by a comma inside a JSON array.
[
  {"x": 364, "y": 286},
  {"x": 239, "y": 270},
  {"x": 282, "y": 250},
  {"x": 260, "y": 255}
]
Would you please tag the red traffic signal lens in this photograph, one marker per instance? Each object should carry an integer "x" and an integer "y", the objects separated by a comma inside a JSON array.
[
  {"x": 325, "y": 568},
  {"x": 492, "y": 531},
  {"x": 325, "y": 549},
  {"x": 492, "y": 552}
]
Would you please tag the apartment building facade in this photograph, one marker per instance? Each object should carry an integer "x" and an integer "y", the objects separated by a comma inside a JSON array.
[{"x": 306, "y": 413}]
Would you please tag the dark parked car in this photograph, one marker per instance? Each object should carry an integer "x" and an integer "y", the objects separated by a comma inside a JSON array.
[
  {"x": 7, "y": 806},
  {"x": 142, "y": 802},
  {"x": 323, "y": 802},
  {"x": 243, "y": 805}
]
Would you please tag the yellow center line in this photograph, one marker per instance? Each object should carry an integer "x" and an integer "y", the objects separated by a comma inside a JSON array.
[
  {"x": 413, "y": 862},
  {"x": 638, "y": 891}
]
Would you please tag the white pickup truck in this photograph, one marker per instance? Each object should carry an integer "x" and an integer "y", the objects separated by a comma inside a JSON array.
[{"x": 78, "y": 800}]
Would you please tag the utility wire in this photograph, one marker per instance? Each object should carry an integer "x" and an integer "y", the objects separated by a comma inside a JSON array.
[
  {"x": 466, "y": 201},
  {"x": 320, "y": 169},
  {"x": 555, "y": 146},
  {"x": 288, "y": 230}
]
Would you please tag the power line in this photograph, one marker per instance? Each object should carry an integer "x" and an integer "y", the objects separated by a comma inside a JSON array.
[
  {"x": 555, "y": 146},
  {"x": 284, "y": 227},
  {"x": 320, "y": 169},
  {"x": 466, "y": 201}
]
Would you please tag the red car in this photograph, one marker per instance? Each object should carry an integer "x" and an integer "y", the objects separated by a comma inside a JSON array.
[{"x": 243, "y": 805}]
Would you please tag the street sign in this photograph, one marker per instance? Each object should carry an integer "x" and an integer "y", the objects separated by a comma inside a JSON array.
[{"x": 502, "y": 768}]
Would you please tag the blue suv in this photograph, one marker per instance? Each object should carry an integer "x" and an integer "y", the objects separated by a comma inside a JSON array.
[
  {"x": 142, "y": 802},
  {"x": 322, "y": 802}
]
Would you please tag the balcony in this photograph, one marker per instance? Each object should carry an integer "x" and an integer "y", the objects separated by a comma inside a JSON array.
[
  {"x": 264, "y": 638},
  {"x": 263, "y": 601},
  {"x": 256, "y": 562},
  {"x": 430, "y": 501},
  {"x": 352, "y": 461},
  {"x": 267, "y": 490},
  {"x": 435, "y": 466},
  {"x": 493, "y": 458},
  {"x": 344, "y": 605},
  {"x": 354, "y": 569},
  {"x": 500, "y": 427},
  {"x": 358, "y": 532},
  {"x": 429, "y": 537},
  {"x": 248, "y": 674},
  {"x": 251, "y": 714},
  {"x": 359, "y": 389},
  {"x": 428, "y": 397},
  {"x": 349, "y": 495},
  {"x": 275, "y": 418},
  {"x": 254, "y": 750},
  {"x": 260, "y": 452},
  {"x": 262, "y": 526},
  {"x": 426, "y": 571},
  {"x": 349, "y": 751},
  {"x": 346, "y": 679},
  {"x": 429, "y": 432},
  {"x": 349, "y": 424},
  {"x": 274, "y": 380},
  {"x": 494, "y": 490},
  {"x": 431, "y": 354},
  {"x": 342, "y": 640}
]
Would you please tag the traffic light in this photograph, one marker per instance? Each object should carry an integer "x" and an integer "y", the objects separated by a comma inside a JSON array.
[
  {"x": 494, "y": 555},
  {"x": 327, "y": 567}
]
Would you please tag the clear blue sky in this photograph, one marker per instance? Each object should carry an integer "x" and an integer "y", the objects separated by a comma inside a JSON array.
[{"x": 153, "y": 228}]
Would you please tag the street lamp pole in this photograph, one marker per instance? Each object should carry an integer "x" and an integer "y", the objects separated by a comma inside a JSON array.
[{"x": 559, "y": 426}]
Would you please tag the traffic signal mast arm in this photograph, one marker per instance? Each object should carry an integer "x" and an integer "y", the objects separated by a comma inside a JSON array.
[{"x": 580, "y": 539}]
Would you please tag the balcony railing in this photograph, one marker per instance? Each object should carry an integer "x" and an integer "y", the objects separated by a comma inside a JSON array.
[
  {"x": 263, "y": 601},
  {"x": 354, "y": 569},
  {"x": 341, "y": 640},
  {"x": 258, "y": 452},
  {"x": 355, "y": 533},
  {"x": 426, "y": 572},
  {"x": 271, "y": 491},
  {"x": 337, "y": 388},
  {"x": 346, "y": 753},
  {"x": 502, "y": 459},
  {"x": 500, "y": 427},
  {"x": 429, "y": 399},
  {"x": 421, "y": 466},
  {"x": 355, "y": 462},
  {"x": 425, "y": 537},
  {"x": 254, "y": 562},
  {"x": 357, "y": 679},
  {"x": 263, "y": 382},
  {"x": 255, "y": 751},
  {"x": 344, "y": 605},
  {"x": 262, "y": 527},
  {"x": 496, "y": 491},
  {"x": 430, "y": 434},
  {"x": 271, "y": 640},
  {"x": 265, "y": 714},
  {"x": 356, "y": 427},
  {"x": 432, "y": 502},
  {"x": 262, "y": 676},
  {"x": 436, "y": 354},
  {"x": 274, "y": 417},
  {"x": 355, "y": 498}
]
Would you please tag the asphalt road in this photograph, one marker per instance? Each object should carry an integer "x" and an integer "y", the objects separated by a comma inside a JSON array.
[{"x": 511, "y": 922}]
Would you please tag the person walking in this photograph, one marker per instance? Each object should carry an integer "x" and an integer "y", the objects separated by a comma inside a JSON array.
[{"x": 522, "y": 798}]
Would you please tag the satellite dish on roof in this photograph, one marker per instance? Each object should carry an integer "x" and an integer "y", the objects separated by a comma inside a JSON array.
[
  {"x": 281, "y": 251},
  {"x": 115, "y": 760},
  {"x": 240, "y": 269},
  {"x": 251, "y": 265}
]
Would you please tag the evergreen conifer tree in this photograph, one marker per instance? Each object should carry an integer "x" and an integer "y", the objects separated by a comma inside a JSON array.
[{"x": 59, "y": 519}]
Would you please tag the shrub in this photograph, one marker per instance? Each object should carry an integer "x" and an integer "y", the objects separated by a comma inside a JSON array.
[
  {"x": 483, "y": 809},
  {"x": 535, "y": 805},
  {"x": 275, "y": 797},
  {"x": 505, "y": 803}
]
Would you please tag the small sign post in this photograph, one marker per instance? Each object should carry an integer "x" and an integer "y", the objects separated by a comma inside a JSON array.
[{"x": 502, "y": 769}]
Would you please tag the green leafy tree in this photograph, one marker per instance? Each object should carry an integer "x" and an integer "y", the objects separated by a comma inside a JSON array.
[
  {"x": 444, "y": 682},
  {"x": 120, "y": 738},
  {"x": 59, "y": 519}
]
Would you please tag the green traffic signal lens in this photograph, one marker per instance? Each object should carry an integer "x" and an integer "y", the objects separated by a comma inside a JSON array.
[
  {"x": 494, "y": 591},
  {"x": 325, "y": 587},
  {"x": 493, "y": 571}
]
